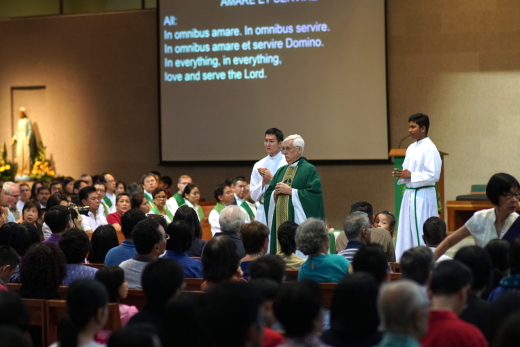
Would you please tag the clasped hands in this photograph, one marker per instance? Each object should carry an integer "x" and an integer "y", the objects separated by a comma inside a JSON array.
[
  {"x": 282, "y": 188},
  {"x": 266, "y": 175},
  {"x": 400, "y": 174}
]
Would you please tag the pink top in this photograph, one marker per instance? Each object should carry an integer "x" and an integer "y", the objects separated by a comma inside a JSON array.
[{"x": 126, "y": 312}]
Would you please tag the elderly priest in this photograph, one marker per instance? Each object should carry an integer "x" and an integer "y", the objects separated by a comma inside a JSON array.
[{"x": 294, "y": 193}]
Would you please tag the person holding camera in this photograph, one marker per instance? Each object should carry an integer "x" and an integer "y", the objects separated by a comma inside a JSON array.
[
  {"x": 89, "y": 198},
  {"x": 58, "y": 219}
]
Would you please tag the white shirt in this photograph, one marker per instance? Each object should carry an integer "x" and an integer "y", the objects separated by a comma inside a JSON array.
[
  {"x": 112, "y": 198},
  {"x": 423, "y": 160},
  {"x": 195, "y": 207},
  {"x": 91, "y": 222},
  {"x": 442, "y": 257},
  {"x": 19, "y": 205},
  {"x": 482, "y": 226},
  {"x": 271, "y": 163},
  {"x": 238, "y": 200}
]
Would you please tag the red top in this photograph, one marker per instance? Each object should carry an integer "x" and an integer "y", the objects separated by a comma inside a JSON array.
[
  {"x": 114, "y": 218},
  {"x": 272, "y": 338},
  {"x": 448, "y": 330}
]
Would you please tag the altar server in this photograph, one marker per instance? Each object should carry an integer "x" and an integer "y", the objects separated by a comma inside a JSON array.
[
  {"x": 264, "y": 169},
  {"x": 421, "y": 170}
]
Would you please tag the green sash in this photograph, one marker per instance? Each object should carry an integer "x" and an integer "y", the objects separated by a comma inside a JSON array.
[
  {"x": 179, "y": 199},
  {"x": 415, "y": 210},
  {"x": 200, "y": 213},
  {"x": 107, "y": 201},
  {"x": 246, "y": 207},
  {"x": 150, "y": 200},
  {"x": 308, "y": 183},
  {"x": 105, "y": 208},
  {"x": 155, "y": 210}
]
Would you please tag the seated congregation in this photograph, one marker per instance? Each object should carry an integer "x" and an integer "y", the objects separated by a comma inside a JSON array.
[{"x": 131, "y": 266}]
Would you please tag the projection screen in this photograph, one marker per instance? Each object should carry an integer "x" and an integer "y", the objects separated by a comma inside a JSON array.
[{"x": 230, "y": 69}]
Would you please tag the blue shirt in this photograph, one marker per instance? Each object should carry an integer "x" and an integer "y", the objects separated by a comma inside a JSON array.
[
  {"x": 119, "y": 254},
  {"x": 326, "y": 268},
  {"x": 192, "y": 267},
  {"x": 78, "y": 272},
  {"x": 398, "y": 340}
]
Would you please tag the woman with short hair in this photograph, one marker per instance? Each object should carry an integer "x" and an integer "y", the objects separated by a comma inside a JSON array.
[
  {"x": 220, "y": 262},
  {"x": 159, "y": 205},
  {"x": 503, "y": 190},
  {"x": 123, "y": 204},
  {"x": 312, "y": 239},
  {"x": 139, "y": 202}
]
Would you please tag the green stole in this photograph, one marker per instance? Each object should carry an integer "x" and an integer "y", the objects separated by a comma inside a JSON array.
[
  {"x": 219, "y": 207},
  {"x": 155, "y": 210},
  {"x": 200, "y": 213},
  {"x": 303, "y": 177},
  {"x": 105, "y": 208},
  {"x": 179, "y": 199},
  {"x": 246, "y": 207},
  {"x": 107, "y": 201},
  {"x": 150, "y": 200}
]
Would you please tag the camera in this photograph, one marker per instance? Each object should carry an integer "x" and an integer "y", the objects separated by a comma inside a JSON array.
[{"x": 74, "y": 210}]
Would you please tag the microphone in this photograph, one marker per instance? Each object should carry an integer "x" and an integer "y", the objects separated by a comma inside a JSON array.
[{"x": 404, "y": 138}]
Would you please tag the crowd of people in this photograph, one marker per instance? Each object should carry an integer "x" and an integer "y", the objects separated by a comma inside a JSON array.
[{"x": 144, "y": 237}]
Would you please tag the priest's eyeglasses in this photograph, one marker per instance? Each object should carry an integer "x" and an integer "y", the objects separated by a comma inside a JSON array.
[{"x": 287, "y": 148}]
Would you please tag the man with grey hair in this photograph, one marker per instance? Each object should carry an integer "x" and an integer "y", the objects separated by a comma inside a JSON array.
[
  {"x": 13, "y": 195},
  {"x": 231, "y": 220},
  {"x": 403, "y": 310},
  {"x": 294, "y": 193},
  {"x": 357, "y": 229}
]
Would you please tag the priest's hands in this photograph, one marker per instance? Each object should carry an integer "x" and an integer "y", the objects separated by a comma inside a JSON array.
[
  {"x": 282, "y": 188},
  {"x": 266, "y": 175},
  {"x": 400, "y": 174}
]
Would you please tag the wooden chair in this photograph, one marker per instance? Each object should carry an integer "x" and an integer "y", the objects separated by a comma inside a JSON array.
[
  {"x": 206, "y": 231},
  {"x": 193, "y": 284},
  {"x": 198, "y": 258},
  {"x": 38, "y": 316},
  {"x": 395, "y": 267},
  {"x": 327, "y": 293},
  {"x": 136, "y": 298},
  {"x": 13, "y": 287},
  {"x": 291, "y": 275},
  {"x": 96, "y": 266},
  {"x": 395, "y": 276},
  {"x": 56, "y": 310}
]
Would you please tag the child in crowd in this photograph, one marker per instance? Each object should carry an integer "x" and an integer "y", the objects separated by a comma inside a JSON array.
[
  {"x": 385, "y": 220},
  {"x": 113, "y": 277}
]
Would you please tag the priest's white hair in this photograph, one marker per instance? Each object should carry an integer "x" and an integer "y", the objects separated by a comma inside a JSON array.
[{"x": 298, "y": 141}]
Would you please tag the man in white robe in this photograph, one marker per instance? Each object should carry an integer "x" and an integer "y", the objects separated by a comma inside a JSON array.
[
  {"x": 264, "y": 170},
  {"x": 421, "y": 170},
  {"x": 109, "y": 200}
]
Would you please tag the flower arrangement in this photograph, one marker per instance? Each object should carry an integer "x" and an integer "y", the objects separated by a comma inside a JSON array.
[
  {"x": 42, "y": 169},
  {"x": 7, "y": 169}
]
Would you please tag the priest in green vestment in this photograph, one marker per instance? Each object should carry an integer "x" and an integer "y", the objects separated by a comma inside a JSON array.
[{"x": 294, "y": 193}]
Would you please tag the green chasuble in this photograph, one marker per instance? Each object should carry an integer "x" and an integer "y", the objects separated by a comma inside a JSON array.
[
  {"x": 179, "y": 199},
  {"x": 150, "y": 200},
  {"x": 200, "y": 212},
  {"x": 303, "y": 177}
]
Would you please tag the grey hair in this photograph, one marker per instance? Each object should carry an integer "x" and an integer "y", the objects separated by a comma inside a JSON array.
[
  {"x": 232, "y": 218},
  {"x": 354, "y": 224},
  {"x": 311, "y": 235},
  {"x": 8, "y": 187},
  {"x": 297, "y": 141},
  {"x": 397, "y": 304}
]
